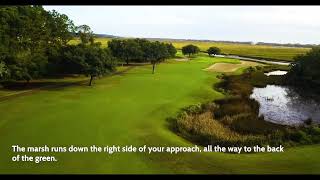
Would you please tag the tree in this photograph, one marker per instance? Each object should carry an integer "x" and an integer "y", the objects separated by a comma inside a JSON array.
[
  {"x": 97, "y": 62},
  {"x": 141, "y": 50},
  {"x": 28, "y": 37},
  {"x": 131, "y": 50},
  {"x": 116, "y": 48},
  {"x": 156, "y": 52},
  {"x": 3, "y": 70},
  {"x": 70, "y": 59},
  {"x": 34, "y": 43},
  {"x": 85, "y": 33},
  {"x": 61, "y": 28},
  {"x": 90, "y": 60},
  {"x": 143, "y": 46},
  {"x": 171, "y": 50},
  {"x": 190, "y": 50},
  {"x": 213, "y": 51},
  {"x": 305, "y": 69},
  {"x": 128, "y": 49},
  {"x": 23, "y": 36},
  {"x": 18, "y": 68}
]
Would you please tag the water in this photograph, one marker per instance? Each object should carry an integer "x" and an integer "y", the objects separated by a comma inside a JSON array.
[
  {"x": 276, "y": 73},
  {"x": 282, "y": 105}
]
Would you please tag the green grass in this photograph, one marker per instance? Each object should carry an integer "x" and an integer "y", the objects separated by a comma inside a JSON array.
[
  {"x": 130, "y": 109},
  {"x": 259, "y": 51},
  {"x": 40, "y": 83}
]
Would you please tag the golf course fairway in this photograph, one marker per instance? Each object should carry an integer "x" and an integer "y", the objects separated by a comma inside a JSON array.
[{"x": 130, "y": 109}]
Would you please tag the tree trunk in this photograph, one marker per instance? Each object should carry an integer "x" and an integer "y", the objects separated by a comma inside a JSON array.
[
  {"x": 91, "y": 78},
  {"x": 153, "y": 67},
  {"x": 27, "y": 83}
]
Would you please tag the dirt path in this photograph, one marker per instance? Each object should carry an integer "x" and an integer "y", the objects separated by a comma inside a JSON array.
[
  {"x": 181, "y": 59},
  {"x": 82, "y": 82},
  {"x": 228, "y": 67},
  {"x": 278, "y": 62}
]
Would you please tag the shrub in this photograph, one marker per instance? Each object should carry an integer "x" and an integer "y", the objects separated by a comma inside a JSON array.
[
  {"x": 314, "y": 131},
  {"x": 193, "y": 109},
  {"x": 300, "y": 137},
  {"x": 259, "y": 68}
]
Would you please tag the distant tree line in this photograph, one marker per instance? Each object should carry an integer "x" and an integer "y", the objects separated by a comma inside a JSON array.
[
  {"x": 288, "y": 45},
  {"x": 34, "y": 44}
]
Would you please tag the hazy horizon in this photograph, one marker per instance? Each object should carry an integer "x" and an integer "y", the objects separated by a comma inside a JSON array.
[{"x": 271, "y": 24}]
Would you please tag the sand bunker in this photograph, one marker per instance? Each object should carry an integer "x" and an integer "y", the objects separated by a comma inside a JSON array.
[{"x": 228, "y": 67}]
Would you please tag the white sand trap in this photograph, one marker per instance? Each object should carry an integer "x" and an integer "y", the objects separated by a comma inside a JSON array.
[{"x": 228, "y": 67}]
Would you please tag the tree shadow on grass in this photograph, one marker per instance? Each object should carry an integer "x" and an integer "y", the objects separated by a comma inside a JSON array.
[
  {"x": 20, "y": 86},
  {"x": 23, "y": 89}
]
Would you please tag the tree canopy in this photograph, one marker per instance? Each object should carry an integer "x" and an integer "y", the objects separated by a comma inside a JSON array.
[
  {"x": 305, "y": 69},
  {"x": 85, "y": 33},
  {"x": 27, "y": 33},
  {"x": 90, "y": 60},
  {"x": 141, "y": 50},
  {"x": 213, "y": 51},
  {"x": 190, "y": 50},
  {"x": 34, "y": 44}
]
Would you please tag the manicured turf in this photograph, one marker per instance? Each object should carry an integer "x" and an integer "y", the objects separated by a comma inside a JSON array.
[
  {"x": 130, "y": 109},
  {"x": 260, "y": 51}
]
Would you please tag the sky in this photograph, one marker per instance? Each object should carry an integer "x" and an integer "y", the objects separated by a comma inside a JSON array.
[{"x": 274, "y": 24}]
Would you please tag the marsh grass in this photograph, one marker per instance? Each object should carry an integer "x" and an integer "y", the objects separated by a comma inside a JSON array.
[{"x": 201, "y": 127}]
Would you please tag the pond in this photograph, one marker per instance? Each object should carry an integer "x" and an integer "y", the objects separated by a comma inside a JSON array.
[
  {"x": 283, "y": 105},
  {"x": 276, "y": 73}
]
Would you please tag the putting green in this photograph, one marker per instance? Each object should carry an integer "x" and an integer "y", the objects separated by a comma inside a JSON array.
[{"x": 130, "y": 109}]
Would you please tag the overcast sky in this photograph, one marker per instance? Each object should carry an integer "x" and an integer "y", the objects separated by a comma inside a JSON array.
[{"x": 281, "y": 24}]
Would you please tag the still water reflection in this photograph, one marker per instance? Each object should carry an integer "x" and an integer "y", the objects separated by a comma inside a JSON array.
[{"x": 283, "y": 105}]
